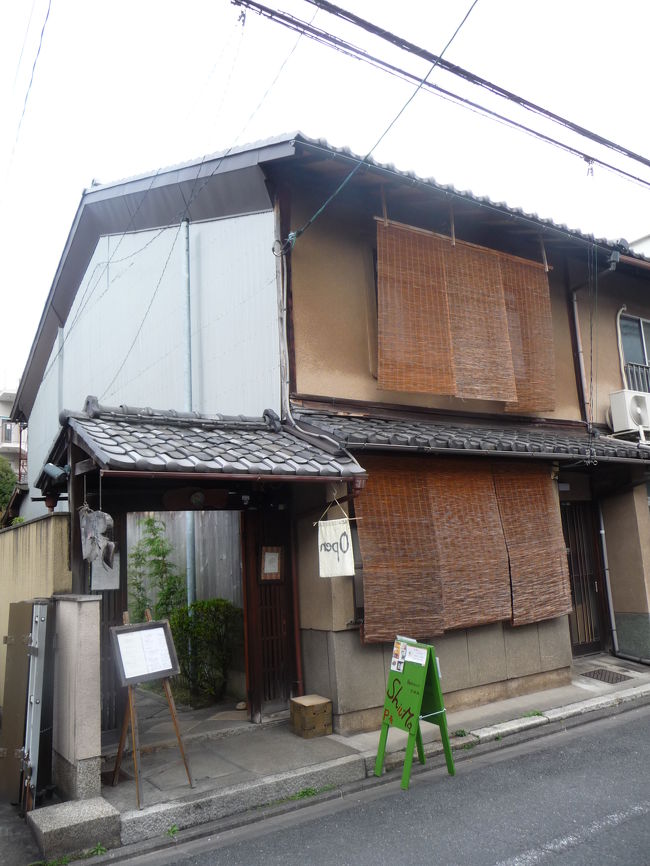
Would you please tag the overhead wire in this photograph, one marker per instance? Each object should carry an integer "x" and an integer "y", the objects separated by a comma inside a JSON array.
[
  {"x": 475, "y": 79},
  {"x": 22, "y": 47},
  {"x": 31, "y": 79},
  {"x": 293, "y": 236},
  {"x": 87, "y": 295},
  {"x": 196, "y": 191},
  {"x": 322, "y": 37}
]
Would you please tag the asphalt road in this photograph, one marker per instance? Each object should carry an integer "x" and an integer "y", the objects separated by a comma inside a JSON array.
[{"x": 580, "y": 796}]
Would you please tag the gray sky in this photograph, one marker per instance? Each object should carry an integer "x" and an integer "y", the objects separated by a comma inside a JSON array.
[{"x": 128, "y": 86}]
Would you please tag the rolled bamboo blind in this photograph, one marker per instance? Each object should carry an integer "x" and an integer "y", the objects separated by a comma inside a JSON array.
[
  {"x": 463, "y": 321},
  {"x": 471, "y": 556},
  {"x": 532, "y": 526},
  {"x": 402, "y": 591},
  {"x": 413, "y": 316},
  {"x": 453, "y": 543},
  {"x": 531, "y": 335},
  {"x": 479, "y": 325}
]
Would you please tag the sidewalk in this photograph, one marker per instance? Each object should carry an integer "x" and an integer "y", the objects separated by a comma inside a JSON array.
[{"x": 241, "y": 771}]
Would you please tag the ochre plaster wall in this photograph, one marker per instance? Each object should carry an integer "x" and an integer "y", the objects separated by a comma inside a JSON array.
[
  {"x": 326, "y": 604},
  {"x": 597, "y": 314},
  {"x": 627, "y": 533},
  {"x": 33, "y": 564},
  {"x": 479, "y": 664},
  {"x": 335, "y": 328}
]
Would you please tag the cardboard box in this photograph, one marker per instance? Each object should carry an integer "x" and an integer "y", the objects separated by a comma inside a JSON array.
[{"x": 311, "y": 716}]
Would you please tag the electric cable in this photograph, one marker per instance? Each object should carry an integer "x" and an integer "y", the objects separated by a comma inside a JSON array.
[
  {"x": 195, "y": 192},
  {"x": 477, "y": 80},
  {"x": 22, "y": 47},
  {"x": 31, "y": 79},
  {"x": 293, "y": 236},
  {"x": 324, "y": 38}
]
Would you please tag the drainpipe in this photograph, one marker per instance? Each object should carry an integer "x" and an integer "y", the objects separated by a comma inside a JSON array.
[
  {"x": 190, "y": 560},
  {"x": 610, "y": 605},
  {"x": 586, "y": 405},
  {"x": 621, "y": 358}
]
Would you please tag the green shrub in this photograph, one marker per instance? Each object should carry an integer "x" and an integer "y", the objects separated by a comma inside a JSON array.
[
  {"x": 150, "y": 569},
  {"x": 206, "y": 636}
]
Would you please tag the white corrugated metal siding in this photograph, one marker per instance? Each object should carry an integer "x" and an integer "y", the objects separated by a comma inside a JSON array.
[{"x": 124, "y": 338}]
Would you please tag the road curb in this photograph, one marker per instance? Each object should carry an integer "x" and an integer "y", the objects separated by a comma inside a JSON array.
[{"x": 231, "y": 808}]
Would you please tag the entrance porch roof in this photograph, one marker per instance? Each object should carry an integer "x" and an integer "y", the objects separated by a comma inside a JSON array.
[{"x": 127, "y": 440}]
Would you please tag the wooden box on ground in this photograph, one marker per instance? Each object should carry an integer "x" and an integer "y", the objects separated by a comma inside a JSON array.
[{"x": 311, "y": 716}]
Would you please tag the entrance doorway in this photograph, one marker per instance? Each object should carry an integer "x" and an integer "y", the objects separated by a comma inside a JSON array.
[
  {"x": 269, "y": 611},
  {"x": 587, "y": 590}
]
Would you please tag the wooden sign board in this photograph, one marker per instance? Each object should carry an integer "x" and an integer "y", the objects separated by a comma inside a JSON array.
[
  {"x": 144, "y": 651},
  {"x": 413, "y": 695}
]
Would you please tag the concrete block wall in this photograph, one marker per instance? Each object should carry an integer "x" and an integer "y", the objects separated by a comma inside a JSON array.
[
  {"x": 34, "y": 563},
  {"x": 77, "y": 701},
  {"x": 480, "y": 664}
]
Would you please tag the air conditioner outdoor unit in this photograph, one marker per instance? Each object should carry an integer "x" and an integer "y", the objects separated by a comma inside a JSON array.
[{"x": 630, "y": 412}]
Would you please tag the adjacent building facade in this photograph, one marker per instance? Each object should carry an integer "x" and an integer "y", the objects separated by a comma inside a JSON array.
[{"x": 438, "y": 366}]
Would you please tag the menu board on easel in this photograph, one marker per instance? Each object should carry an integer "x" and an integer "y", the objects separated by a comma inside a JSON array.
[
  {"x": 413, "y": 694},
  {"x": 144, "y": 651}
]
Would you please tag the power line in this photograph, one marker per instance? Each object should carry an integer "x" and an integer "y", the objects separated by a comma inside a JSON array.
[
  {"x": 22, "y": 47},
  {"x": 195, "y": 192},
  {"x": 327, "y": 39},
  {"x": 472, "y": 78},
  {"x": 293, "y": 236},
  {"x": 31, "y": 79}
]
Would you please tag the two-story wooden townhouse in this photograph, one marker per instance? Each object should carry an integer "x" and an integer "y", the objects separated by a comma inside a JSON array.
[{"x": 439, "y": 364}]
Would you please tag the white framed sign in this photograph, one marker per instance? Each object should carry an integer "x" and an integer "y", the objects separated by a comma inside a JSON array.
[
  {"x": 144, "y": 651},
  {"x": 335, "y": 554}
]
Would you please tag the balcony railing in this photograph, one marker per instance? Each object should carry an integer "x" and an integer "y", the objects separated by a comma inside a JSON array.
[{"x": 638, "y": 377}]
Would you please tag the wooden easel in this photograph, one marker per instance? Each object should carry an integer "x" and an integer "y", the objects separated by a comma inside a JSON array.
[{"x": 130, "y": 718}]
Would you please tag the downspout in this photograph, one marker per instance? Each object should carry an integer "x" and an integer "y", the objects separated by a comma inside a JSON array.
[
  {"x": 610, "y": 605},
  {"x": 190, "y": 556},
  {"x": 285, "y": 412},
  {"x": 621, "y": 358},
  {"x": 586, "y": 406}
]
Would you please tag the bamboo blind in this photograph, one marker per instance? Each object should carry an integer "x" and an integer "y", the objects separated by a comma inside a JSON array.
[
  {"x": 453, "y": 543},
  {"x": 462, "y": 321},
  {"x": 413, "y": 315},
  {"x": 479, "y": 325},
  {"x": 531, "y": 335},
  {"x": 471, "y": 556},
  {"x": 402, "y": 592},
  {"x": 532, "y": 528}
]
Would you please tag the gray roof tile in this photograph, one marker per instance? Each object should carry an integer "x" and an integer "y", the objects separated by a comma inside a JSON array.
[
  {"x": 444, "y": 435},
  {"x": 148, "y": 440}
]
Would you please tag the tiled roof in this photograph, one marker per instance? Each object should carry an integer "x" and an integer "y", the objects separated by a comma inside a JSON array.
[
  {"x": 144, "y": 440},
  {"x": 445, "y": 436}
]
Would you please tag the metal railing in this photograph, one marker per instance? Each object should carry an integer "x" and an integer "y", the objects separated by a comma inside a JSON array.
[{"x": 638, "y": 377}]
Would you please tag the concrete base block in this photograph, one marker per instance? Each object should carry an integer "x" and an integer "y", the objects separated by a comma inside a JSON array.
[
  {"x": 78, "y": 781},
  {"x": 73, "y": 827},
  {"x": 499, "y": 691}
]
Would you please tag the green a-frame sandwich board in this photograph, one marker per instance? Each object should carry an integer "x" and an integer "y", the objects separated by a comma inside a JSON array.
[{"x": 413, "y": 694}]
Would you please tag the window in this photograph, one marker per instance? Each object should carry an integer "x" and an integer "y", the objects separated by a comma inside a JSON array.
[
  {"x": 635, "y": 336},
  {"x": 7, "y": 428}
]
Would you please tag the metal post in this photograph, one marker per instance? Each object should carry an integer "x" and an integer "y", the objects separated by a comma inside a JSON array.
[{"x": 190, "y": 562}]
